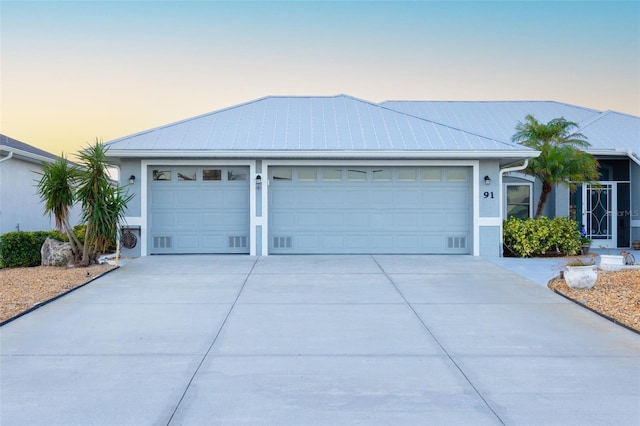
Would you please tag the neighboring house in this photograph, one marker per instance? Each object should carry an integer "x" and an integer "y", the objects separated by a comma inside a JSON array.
[
  {"x": 328, "y": 175},
  {"x": 20, "y": 205}
]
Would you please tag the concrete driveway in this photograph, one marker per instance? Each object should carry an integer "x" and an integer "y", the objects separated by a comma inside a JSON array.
[{"x": 316, "y": 340}]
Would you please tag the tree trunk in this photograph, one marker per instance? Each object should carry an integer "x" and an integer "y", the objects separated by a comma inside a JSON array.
[
  {"x": 86, "y": 259},
  {"x": 546, "y": 189}
]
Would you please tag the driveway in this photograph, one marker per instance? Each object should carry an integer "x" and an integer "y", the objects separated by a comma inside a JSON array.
[{"x": 316, "y": 340}]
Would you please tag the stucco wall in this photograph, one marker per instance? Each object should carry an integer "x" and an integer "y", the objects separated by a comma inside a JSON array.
[{"x": 20, "y": 205}]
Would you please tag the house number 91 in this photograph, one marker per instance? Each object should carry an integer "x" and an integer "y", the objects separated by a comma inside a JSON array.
[{"x": 488, "y": 194}]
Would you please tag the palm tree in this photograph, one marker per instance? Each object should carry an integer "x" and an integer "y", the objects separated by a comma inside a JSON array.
[
  {"x": 561, "y": 160},
  {"x": 103, "y": 204},
  {"x": 56, "y": 190}
]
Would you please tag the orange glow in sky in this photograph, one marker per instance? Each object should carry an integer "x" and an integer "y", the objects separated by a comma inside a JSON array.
[{"x": 75, "y": 71}]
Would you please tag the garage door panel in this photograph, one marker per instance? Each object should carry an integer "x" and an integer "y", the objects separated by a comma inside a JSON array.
[
  {"x": 283, "y": 220},
  {"x": 406, "y": 220},
  {"x": 330, "y": 220},
  {"x": 189, "y": 197},
  {"x": 381, "y": 220},
  {"x": 357, "y": 242},
  {"x": 187, "y": 243},
  {"x": 332, "y": 243},
  {"x": 162, "y": 220},
  {"x": 162, "y": 199},
  {"x": 186, "y": 220},
  {"x": 356, "y": 220},
  {"x": 211, "y": 198},
  {"x": 307, "y": 219},
  {"x": 381, "y": 197},
  {"x": 406, "y": 198},
  {"x": 211, "y": 220}
]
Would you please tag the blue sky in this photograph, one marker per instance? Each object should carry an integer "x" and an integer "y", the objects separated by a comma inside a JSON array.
[{"x": 74, "y": 71}]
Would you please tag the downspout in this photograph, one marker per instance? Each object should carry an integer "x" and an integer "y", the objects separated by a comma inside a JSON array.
[{"x": 500, "y": 192}]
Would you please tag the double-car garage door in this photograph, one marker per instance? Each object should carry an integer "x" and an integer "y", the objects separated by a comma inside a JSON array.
[
  {"x": 370, "y": 210},
  {"x": 323, "y": 210}
]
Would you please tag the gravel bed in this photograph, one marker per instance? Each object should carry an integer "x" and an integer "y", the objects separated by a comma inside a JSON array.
[
  {"x": 615, "y": 294},
  {"x": 22, "y": 288}
]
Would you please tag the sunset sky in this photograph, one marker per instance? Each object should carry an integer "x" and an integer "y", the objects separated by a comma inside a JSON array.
[{"x": 74, "y": 71}]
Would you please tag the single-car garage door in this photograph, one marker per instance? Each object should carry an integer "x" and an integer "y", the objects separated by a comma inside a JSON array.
[
  {"x": 399, "y": 210},
  {"x": 198, "y": 209}
]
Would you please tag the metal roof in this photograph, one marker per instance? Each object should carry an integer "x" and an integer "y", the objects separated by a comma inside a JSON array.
[
  {"x": 612, "y": 130},
  {"x": 494, "y": 119},
  {"x": 605, "y": 131},
  {"x": 312, "y": 125}
]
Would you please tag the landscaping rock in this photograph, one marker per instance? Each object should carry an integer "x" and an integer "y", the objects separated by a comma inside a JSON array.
[{"x": 56, "y": 253}]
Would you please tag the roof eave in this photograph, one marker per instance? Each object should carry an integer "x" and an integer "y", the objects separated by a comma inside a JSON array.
[
  {"x": 625, "y": 152},
  {"x": 26, "y": 155},
  {"x": 263, "y": 154}
]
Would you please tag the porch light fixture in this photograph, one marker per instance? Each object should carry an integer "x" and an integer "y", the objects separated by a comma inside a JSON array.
[
  {"x": 132, "y": 179},
  {"x": 258, "y": 180},
  {"x": 487, "y": 180}
]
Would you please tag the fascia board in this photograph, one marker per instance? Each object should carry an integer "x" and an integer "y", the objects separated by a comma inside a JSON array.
[
  {"x": 26, "y": 156},
  {"x": 324, "y": 154},
  {"x": 616, "y": 152}
]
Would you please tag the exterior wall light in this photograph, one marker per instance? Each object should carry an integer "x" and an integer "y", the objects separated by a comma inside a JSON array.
[
  {"x": 132, "y": 179},
  {"x": 487, "y": 180},
  {"x": 258, "y": 180}
]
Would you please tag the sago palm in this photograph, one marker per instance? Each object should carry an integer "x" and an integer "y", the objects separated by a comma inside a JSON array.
[{"x": 561, "y": 159}]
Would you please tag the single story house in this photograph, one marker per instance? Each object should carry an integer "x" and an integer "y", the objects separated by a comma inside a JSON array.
[
  {"x": 337, "y": 174},
  {"x": 20, "y": 205}
]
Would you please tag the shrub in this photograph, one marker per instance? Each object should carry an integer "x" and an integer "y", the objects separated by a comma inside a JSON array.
[
  {"x": 542, "y": 236},
  {"x": 22, "y": 248}
]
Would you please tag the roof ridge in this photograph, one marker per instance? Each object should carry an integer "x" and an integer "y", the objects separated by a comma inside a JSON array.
[
  {"x": 229, "y": 108},
  {"x": 510, "y": 144}
]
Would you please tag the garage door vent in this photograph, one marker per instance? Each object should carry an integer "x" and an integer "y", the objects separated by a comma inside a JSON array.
[
  {"x": 281, "y": 242},
  {"x": 456, "y": 242},
  {"x": 235, "y": 242},
  {"x": 162, "y": 242}
]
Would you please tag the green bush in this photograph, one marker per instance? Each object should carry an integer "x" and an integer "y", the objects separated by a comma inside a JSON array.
[
  {"x": 20, "y": 248},
  {"x": 542, "y": 236}
]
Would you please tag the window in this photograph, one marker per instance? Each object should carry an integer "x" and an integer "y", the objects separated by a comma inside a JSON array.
[
  {"x": 186, "y": 175},
  {"x": 518, "y": 201},
  {"x": 456, "y": 175},
  {"x": 357, "y": 175},
  {"x": 307, "y": 175},
  {"x": 407, "y": 175},
  {"x": 281, "y": 173},
  {"x": 331, "y": 174},
  {"x": 382, "y": 175},
  {"x": 162, "y": 175},
  {"x": 432, "y": 174},
  {"x": 236, "y": 174},
  {"x": 212, "y": 174}
]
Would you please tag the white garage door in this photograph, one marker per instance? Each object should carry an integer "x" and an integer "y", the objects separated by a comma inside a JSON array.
[
  {"x": 370, "y": 210},
  {"x": 198, "y": 210}
]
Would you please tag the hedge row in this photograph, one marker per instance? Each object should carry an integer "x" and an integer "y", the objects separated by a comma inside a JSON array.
[
  {"x": 22, "y": 248},
  {"x": 541, "y": 237}
]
